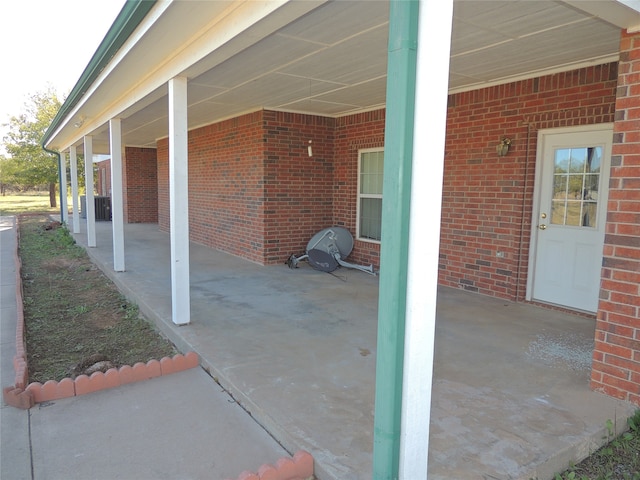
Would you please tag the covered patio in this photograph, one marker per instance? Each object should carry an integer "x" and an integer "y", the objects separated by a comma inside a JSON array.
[
  {"x": 251, "y": 128},
  {"x": 297, "y": 349}
]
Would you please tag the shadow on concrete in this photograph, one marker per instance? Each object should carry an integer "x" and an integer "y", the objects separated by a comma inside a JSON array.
[{"x": 297, "y": 349}]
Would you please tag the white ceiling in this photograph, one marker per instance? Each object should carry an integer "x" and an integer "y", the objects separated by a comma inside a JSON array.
[{"x": 331, "y": 58}]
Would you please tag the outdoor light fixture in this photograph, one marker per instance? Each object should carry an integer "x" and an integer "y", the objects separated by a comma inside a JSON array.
[
  {"x": 79, "y": 123},
  {"x": 503, "y": 147},
  {"x": 309, "y": 150}
]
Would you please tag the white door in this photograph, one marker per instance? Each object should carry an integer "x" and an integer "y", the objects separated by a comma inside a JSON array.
[{"x": 569, "y": 216}]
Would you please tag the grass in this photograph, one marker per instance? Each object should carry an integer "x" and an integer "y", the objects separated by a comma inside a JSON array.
[
  {"x": 619, "y": 459},
  {"x": 73, "y": 312},
  {"x": 26, "y": 203}
]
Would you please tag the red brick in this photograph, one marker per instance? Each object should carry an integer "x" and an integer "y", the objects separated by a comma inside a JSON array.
[
  {"x": 153, "y": 369},
  {"x": 97, "y": 382},
  {"x": 620, "y": 309},
  {"x": 621, "y": 385},
  {"x": 126, "y": 375},
  {"x": 608, "y": 348},
  {"x": 18, "y": 398},
  {"x": 300, "y": 467},
  {"x": 621, "y": 287},
  {"x": 246, "y": 475},
  {"x": 626, "y": 299},
  {"x": 167, "y": 366},
  {"x": 112, "y": 378},
  {"x": 627, "y": 310},
  {"x": 624, "y": 367},
  {"x": 620, "y": 330},
  {"x": 250, "y": 177},
  {"x": 627, "y": 320},
  {"x": 140, "y": 182},
  {"x": 611, "y": 371},
  {"x": 304, "y": 463},
  {"x": 610, "y": 390},
  {"x": 192, "y": 360},
  {"x": 83, "y": 385},
  {"x": 140, "y": 372},
  {"x": 48, "y": 391},
  {"x": 286, "y": 469},
  {"x": 52, "y": 390},
  {"x": 21, "y": 373}
]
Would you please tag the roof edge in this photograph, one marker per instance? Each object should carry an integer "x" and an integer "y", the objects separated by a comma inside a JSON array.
[
  {"x": 131, "y": 15},
  {"x": 624, "y": 14}
]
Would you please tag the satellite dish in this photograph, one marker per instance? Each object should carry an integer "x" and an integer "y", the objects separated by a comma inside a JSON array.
[
  {"x": 326, "y": 250},
  {"x": 321, "y": 260},
  {"x": 330, "y": 238}
]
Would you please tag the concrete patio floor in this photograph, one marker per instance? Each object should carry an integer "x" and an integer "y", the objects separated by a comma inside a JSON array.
[{"x": 297, "y": 348}]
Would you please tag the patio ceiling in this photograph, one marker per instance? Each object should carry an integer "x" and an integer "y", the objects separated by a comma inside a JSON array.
[{"x": 321, "y": 58}]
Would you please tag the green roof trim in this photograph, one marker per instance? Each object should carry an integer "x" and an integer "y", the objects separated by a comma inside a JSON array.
[{"x": 123, "y": 26}]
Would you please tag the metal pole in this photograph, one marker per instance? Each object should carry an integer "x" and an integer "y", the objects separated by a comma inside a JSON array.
[
  {"x": 179, "y": 201},
  {"x": 432, "y": 82},
  {"x": 117, "y": 212},
  {"x": 396, "y": 193}
]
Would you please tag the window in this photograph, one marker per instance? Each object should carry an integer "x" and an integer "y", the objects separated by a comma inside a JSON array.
[
  {"x": 576, "y": 179},
  {"x": 370, "y": 169}
]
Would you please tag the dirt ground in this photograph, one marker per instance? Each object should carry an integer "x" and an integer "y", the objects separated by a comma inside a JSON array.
[{"x": 76, "y": 320}]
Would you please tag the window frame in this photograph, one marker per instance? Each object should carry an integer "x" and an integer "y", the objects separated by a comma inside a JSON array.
[{"x": 360, "y": 196}]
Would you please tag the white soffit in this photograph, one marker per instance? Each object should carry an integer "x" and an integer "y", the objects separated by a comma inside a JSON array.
[
  {"x": 329, "y": 58},
  {"x": 622, "y": 13}
]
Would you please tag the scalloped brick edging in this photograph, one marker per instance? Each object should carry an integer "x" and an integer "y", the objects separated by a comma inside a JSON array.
[
  {"x": 300, "y": 467},
  {"x": 37, "y": 392},
  {"x": 83, "y": 384},
  {"x": 25, "y": 396}
]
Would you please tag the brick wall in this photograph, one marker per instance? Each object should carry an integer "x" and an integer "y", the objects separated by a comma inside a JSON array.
[
  {"x": 140, "y": 184},
  {"x": 253, "y": 189},
  {"x": 233, "y": 208},
  {"x": 298, "y": 189},
  {"x": 354, "y": 133},
  {"x": 616, "y": 358},
  {"x": 226, "y": 194},
  {"x": 162, "y": 172},
  {"x": 487, "y": 200}
]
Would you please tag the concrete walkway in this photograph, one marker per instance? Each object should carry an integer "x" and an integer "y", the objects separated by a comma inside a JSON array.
[
  {"x": 182, "y": 425},
  {"x": 15, "y": 453},
  {"x": 297, "y": 349}
]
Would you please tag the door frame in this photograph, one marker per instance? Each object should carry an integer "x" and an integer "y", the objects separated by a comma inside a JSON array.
[{"x": 535, "y": 211}]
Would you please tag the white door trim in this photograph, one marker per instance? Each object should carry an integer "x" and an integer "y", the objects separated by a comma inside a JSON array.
[{"x": 535, "y": 211}]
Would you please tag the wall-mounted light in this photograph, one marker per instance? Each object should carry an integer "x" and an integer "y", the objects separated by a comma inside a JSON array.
[
  {"x": 503, "y": 147},
  {"x": 309, "y": 150}
]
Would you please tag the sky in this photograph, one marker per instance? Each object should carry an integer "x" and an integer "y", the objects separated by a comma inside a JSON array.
[{"x": 47, "y": 42}]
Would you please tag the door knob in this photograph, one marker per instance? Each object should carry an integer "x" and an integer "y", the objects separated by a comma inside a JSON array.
[{"x": 542, "y": 227}]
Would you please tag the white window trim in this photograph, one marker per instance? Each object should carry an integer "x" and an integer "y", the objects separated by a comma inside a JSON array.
[{"x": 359, "y": 196}]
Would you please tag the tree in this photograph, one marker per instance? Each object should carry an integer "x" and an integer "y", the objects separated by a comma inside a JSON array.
[
  {"x": 27, "y": 163},
  {"x": 8, "y": 169}
]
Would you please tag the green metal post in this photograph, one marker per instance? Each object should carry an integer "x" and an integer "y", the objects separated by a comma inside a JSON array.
[{"x": 396, "y": 194}]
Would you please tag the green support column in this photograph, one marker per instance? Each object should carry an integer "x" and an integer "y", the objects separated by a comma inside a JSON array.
[{"x": 396, "y": 193}]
